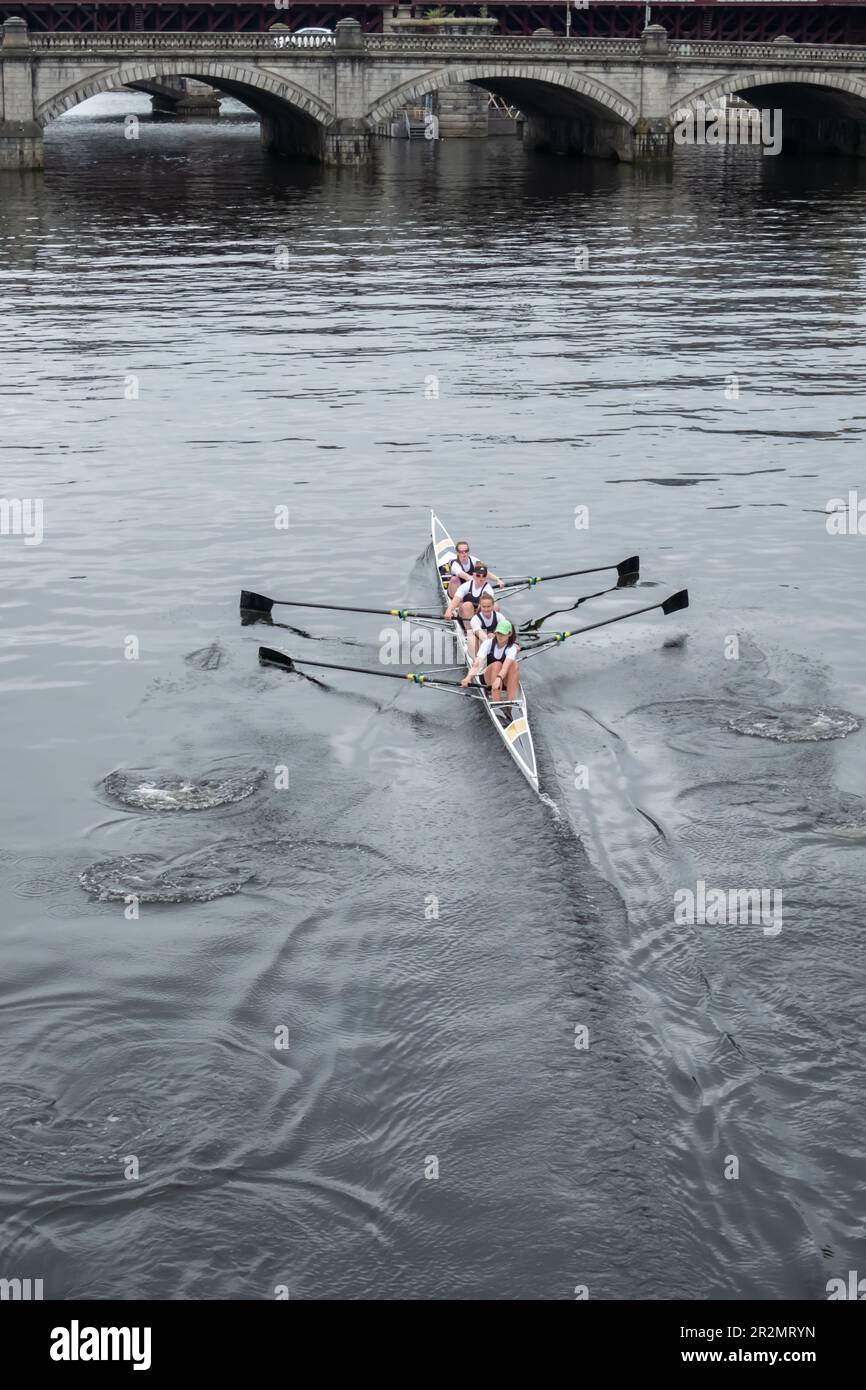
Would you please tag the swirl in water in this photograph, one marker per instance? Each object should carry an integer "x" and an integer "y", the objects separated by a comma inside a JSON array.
[
  {"x": 157, "y": 792},
  {"x": 795, "y": 725}
]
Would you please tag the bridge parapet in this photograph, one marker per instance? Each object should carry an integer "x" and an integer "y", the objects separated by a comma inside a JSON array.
[
  {"x": 453, "y": 45},
  {"x": 786, "y": 54},
  {"x": 172, "y": 42},
  {"x": 503, "y": 45}
]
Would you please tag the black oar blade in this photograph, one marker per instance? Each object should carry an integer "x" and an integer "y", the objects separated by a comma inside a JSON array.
[
  {"x": 676, "y": 602},
  {"x": 268, "y": 656},
  {"x": 255, "y": 603},
  {"x": 630, "y": 568}
]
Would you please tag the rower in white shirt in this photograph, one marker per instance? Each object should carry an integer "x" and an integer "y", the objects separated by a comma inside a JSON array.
[
  {"x": 462, "y": 568},
  {"x": 483, "y": 624},
  {"x": 468, "y": 596},
  {"x": 497, "y": 662}
]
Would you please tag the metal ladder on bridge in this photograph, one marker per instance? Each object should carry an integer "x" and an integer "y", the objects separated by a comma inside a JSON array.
[
  {"x": 415, "y": 118},
  {"x": 414, "y": 123}
]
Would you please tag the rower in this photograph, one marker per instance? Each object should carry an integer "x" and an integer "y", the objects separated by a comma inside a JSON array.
[
  {"x": 469, "y": 595},
  {"x": 483, "y": 624},
  {"x": 497, "y": 659},
  {"x": 462, "y": 568}
]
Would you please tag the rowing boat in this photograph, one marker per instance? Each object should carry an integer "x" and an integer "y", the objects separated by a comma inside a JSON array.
[
  {"x": 511, "y": 722},
  {"x": 510, "y": 717}
]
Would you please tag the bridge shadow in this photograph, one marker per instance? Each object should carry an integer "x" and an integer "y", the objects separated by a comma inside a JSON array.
[{"x": 821, "y": 113}]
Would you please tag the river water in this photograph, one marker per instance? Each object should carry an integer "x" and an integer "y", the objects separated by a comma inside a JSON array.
[{"x": 341, "y": 1048}]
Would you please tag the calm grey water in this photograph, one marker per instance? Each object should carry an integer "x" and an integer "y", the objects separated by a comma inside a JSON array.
[{"x": 194, "y": 336}]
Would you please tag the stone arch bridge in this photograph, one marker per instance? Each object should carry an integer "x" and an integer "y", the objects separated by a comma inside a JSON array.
[{"x": 614, "y": 98}]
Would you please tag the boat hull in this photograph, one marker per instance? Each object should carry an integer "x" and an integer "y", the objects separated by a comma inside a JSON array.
[{"x": 516, "y": 735}]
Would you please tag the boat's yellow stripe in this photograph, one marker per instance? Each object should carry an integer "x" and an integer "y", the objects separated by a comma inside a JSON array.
[
  {"x": 515, "y": 729},
  {"x": 445, "y": 545}
]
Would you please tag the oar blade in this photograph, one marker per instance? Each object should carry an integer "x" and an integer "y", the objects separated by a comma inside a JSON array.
[
  {"x": 255, "y": 603},
  {"x": 676, "y": 602},
  {"x": 268, "y": 656},
  {"x": 630, "y": 568}
]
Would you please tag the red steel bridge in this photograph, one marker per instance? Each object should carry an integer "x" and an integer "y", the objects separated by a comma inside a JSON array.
[{"x": 807, "y": 21}]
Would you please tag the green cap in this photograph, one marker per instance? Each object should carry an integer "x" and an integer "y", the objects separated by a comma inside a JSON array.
[{"x": 504, "y": 625}]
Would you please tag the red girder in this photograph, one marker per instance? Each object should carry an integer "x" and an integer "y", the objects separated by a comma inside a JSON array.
[{"x": 842, "y": 22}]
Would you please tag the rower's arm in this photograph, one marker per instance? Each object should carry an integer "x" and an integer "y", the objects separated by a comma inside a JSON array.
[
  {"x": 496, "y": 578},
  {"x": 474, "y": 670}
]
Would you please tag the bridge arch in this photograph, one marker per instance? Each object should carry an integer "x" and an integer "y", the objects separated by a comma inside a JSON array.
[
  {"x": 821, "y": 82},
  {"x": 264, "y": 91},
  {"x": 538, "y": 85}
]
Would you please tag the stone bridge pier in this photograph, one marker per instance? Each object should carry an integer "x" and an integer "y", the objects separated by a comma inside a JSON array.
[
  {"x": 346, "y": 139},
  {"x": 594, "y": 125},
  {"x": 180, "y": 96},
  {"x": 20, "y": 132}
]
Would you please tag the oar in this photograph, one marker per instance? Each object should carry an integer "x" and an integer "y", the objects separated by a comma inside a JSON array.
[
  {"x": 258, "y": 603},
  {"x": 668, "y": 605},
  {"x": 534, "y": 624},
  {"x": 625, "y": 568},
  {"x": 269, "y": 657}
]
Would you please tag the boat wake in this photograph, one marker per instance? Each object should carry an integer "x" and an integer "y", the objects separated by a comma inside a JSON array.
[
  {"x": 551, "y": 805},
  {"x": 800, "y": 810}
]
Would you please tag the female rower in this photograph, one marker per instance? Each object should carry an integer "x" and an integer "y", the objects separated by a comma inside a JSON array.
[
  {"x": 497, "y": 659},
  {"x": 467, "y": 598},
  {"x": 462, "y": 567},
  {"x": 484, "y": 623}
]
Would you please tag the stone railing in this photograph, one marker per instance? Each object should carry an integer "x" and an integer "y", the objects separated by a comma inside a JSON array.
[
  {"x": 451, "y": 46},
  {"x": 707, "y": 49},
  {"x": 516, "y": 45},
  {"x": 169, "y": 41},
  {"x": 579, "y": 48}
]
